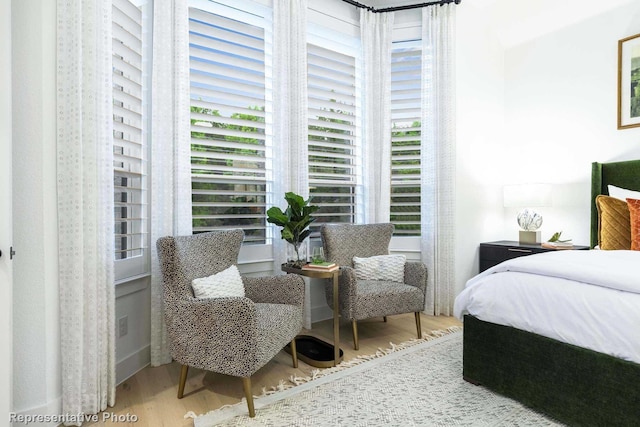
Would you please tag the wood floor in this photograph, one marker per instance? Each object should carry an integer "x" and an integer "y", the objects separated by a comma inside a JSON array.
[{"x": 149, "y": 397}]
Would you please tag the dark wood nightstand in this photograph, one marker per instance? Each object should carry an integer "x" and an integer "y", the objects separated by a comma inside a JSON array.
[{"x": 493, "y": 253}]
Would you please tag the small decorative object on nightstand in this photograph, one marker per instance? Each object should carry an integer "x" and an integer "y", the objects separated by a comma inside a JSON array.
[
  {"x": 554, "y": 242},
  {"x": 528, "y": 196},
  {"x": 493, "y": 253}
]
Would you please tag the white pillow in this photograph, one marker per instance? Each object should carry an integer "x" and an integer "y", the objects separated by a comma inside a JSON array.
[
  {"x": 381, "y": 267},
  {"x": 226, "y": 283},
  {"x": 622, "y": 193}
]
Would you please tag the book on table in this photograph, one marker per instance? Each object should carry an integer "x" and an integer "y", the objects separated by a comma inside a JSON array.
[
  {"x": 557, "y": 245},
  {"x": 321, "y": 266}
]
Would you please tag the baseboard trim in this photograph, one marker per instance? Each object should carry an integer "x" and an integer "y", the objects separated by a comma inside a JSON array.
[
  {"x": 132, "y": 364},
  {"x": 53, "y": 407},
  {"x": 321, "y": 313}
]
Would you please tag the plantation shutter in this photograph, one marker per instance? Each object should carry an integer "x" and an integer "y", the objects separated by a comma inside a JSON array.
[
  {"x": 229, "y": 128},
  {"x": 129, "y": 171},
  {"x": 405, "y": 138},
  {"x": 332, "y": 134}
]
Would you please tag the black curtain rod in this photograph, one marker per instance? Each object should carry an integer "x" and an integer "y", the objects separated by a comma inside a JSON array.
[{"x": 405, "y": 7}]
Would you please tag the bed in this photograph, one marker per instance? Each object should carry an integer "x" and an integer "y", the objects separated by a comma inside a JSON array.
[{"x": 578, "y": 361}]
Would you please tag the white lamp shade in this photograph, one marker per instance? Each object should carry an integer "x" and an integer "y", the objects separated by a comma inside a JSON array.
[{"x": 527, "y": 195}]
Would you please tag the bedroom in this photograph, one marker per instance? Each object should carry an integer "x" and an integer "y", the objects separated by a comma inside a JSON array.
[{"x": 533, "y": 101}]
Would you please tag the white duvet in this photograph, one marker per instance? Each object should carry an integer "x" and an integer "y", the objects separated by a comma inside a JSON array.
[{"x": 586, "y": 298}]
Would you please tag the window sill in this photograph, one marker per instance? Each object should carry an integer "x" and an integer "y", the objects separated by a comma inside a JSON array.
[{"x": 132, "y": 284}]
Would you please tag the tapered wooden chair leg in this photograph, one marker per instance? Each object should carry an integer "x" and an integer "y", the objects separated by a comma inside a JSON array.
[
  {"x": 354, "y": 327},
  {"x": 294, "y": 353},
  {"x": 418, "y": 326},
  {"x": 384, "y": 318},
  {"x": 183, "y": 380},
  {"x": 246, "y": 385}
]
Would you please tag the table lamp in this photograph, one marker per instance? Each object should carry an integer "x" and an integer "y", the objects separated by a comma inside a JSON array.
[{"x": 527, "y": 197}]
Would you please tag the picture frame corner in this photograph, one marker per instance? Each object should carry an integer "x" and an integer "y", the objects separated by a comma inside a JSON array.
[{"x": 628, "y": 87}]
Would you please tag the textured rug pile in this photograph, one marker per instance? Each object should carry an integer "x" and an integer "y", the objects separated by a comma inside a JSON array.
[{"x": 418, "y": 383}]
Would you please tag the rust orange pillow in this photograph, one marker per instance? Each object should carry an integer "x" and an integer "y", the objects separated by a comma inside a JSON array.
[
  {"x": 613, "y": 223},
  {"x": 634, "y": 216}
]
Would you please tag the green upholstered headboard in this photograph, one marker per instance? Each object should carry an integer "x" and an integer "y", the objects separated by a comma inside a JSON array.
[{"x": 621, "y": 174}]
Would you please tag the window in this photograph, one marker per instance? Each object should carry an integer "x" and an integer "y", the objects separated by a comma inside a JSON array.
[
  {"x": 229, "y": 120},
  {"x": 129, "y": 145},
  {"x": 333, "y": 140},
  {"x": 405, "y": 137}
]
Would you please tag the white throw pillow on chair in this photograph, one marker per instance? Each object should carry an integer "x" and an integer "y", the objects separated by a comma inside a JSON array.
[
  {"x": 226, "y": 283},
  {"x": 381, "y": 267}
]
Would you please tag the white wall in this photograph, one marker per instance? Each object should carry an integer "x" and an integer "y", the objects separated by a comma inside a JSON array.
[
  {"x": 36, "y": 330},
  {"x": 560, "y": 115},
  {"x": 6, "y": 213},
  {"x": 479, "y": 137}
]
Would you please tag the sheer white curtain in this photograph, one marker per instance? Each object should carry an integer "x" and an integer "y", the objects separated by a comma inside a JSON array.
[
  {"x": 85, "y": 205},
  {"x": 376, "y": 34},
  {"x": 438, "y": 156},
  {"x": 290, "y": 150},
  {"x": 170, "y": 149}
]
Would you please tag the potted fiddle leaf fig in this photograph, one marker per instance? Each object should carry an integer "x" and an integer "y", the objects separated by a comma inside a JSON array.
[{"x": 295, "y": 221}]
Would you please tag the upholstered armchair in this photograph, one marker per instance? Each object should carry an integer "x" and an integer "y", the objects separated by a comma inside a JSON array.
[
  {"x": 363, "y": 299},
  {"x": 229, "y": 335}
]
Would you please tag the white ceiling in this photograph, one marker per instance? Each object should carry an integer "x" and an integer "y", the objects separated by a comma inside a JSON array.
[{"x": 517, "y": 21}]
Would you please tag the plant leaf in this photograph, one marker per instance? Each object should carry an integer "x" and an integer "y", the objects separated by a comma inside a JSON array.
[
  {"x": 287, "y": 235},
  {"x": 296, "y": 203},
  {"x": 308, "y": 210},
  {"x": 304, "y": 235},
  {"x": 296, "y": 218},
  {"x": 555, "y": 237},
  {"x": 276, "y": 216}
]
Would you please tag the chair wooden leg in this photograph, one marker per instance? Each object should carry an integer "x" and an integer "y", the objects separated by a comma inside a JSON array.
[
  {"x": 183, "y": 380},
  {"x": 246, "y": 385},
  {"x": 294, "y": 353},
  {"x": 354, "y": 327},
  {"x": 418, "y": 326},
  {"x": 384, "y": 318}
]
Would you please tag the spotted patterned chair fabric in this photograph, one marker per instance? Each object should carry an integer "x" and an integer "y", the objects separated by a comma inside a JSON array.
[
  {"x": 364, "y": 299},
  {"x": 234, "y": 335}
]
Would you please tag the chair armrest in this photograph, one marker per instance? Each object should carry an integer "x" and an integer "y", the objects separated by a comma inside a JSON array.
[
  {"x": 211, "y": 333},
  {"x": 283, "y": 289},
  {"x": 415, "y": 274},
  {"x": 346, "y": 290},
  {"x": 347, "y": 281}
]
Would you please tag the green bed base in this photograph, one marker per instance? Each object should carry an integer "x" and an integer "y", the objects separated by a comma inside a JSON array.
[
  {"x": 573, "y": 385},
  {"x": 621, "y": 174}
]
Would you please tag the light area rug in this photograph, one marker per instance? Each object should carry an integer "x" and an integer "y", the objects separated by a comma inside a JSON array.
[{"x": 417, "y": 383}]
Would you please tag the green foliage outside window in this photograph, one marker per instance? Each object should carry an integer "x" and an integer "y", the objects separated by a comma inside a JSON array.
[
  {"x": 236, "y": 205},
  {"x": 406, "y": 198},
  {"x": 336, "y": 201},
  {"x": 245, "y": 206}
]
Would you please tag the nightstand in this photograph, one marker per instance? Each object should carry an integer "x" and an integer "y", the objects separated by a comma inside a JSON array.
[{"x": 493, "y": 253}]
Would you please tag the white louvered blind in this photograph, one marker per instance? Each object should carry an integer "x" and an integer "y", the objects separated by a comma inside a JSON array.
[
  {"x": 229, "y": 82},
  {"x": 405, "y": 137},
  {"x": 332, "y": 134},
  {"x": 129, "y": 170}
]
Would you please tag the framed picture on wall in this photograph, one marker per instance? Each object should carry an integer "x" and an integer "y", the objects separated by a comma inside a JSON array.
[{"x": 629, "y": 82}]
